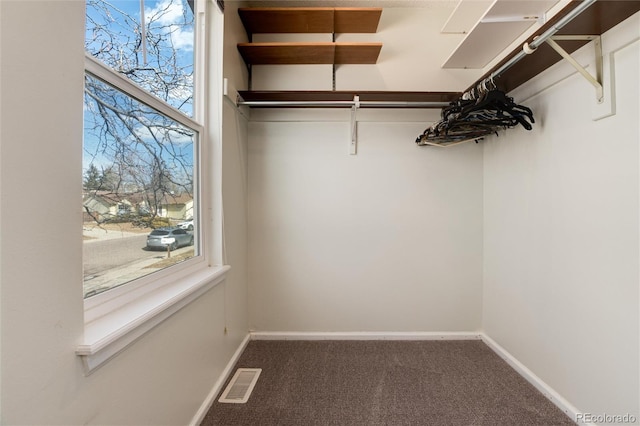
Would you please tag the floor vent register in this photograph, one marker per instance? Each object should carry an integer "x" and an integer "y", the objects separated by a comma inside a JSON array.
[{"x": 241, "y": 385}]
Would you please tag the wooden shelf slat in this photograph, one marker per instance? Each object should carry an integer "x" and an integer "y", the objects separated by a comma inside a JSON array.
[
  {"x": 287, "y": 53},
  {"x": 287, "y": 20},
  {"x": 357, "y": 53},
  {"x": 356, "y": 20},
  {"x": 309, "y": 53},
  {"x": 310, "y": 19}
]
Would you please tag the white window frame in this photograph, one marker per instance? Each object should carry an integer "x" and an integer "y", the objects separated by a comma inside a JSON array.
[{"x": 116, "y": 318}]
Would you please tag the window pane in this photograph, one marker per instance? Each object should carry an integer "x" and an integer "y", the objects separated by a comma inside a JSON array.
[
  {"x": 162, "y": 62},
  {"x": 138, "y": 167}
]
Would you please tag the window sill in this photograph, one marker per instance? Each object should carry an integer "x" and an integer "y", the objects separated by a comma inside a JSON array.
[{"x": 110, "y": 334}]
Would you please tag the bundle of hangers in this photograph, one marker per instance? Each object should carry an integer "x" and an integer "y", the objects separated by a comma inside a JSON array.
[{"x": 479, "y": 112}]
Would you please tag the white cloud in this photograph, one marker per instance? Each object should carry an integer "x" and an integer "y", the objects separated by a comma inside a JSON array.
[
  {"x": 171, "y": 15},
  {"x": 171, "y": 12},
  {"x": 181, "y": 39}
]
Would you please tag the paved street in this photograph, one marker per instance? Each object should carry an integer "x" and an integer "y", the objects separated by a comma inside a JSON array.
[
  {"x": 103, "y": 255},
  {"x": 114, "y": 257}
]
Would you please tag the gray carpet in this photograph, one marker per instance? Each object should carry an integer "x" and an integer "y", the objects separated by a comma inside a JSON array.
[{"x": 384, "y": 383}]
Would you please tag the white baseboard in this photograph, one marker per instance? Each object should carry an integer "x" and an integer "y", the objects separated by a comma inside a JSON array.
[
  {"x": 536, "y": 381},
  {"x": 365, "y": 335},
  {"x": 217, "y": 387}
]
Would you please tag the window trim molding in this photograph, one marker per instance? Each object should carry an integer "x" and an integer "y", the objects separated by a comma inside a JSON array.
[
  {"x": 104, "y": 72},
  {"x": 117, "y": 318},
  {"x": 107, "y": 336}
]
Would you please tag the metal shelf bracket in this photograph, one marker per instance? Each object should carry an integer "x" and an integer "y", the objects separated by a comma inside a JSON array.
[
  {"x": 596, "y": 80},
  {"x": 353, "y": 144}
]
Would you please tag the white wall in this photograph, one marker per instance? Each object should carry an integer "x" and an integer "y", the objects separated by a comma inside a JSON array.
[
  {"x": 387, "y": 240},
  {"x": 234, "y": 178},
  {"x": 235, "y": 70},
  {"x": 164, "y": 377},
  {"x": 561, "y": 252},
  {"x": 234, "y": 190}
]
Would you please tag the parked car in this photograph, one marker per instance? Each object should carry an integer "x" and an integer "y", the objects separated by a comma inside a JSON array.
[
  {"x": 187, "y": 224},
  {"x": 173, "y": 238}
]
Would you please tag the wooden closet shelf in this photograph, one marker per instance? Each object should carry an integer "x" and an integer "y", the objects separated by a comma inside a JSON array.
[
  {"x": 356, "y": 20},
  {"x": 357, "y": 53},
  {"x": 309, "y": 53},
  {"x": 310, "y": 19},
  {"x": 344, "y": 96}
]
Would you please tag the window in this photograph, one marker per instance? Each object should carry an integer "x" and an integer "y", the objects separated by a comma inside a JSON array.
[
  {"x": 150, "y": 165},
  {"x": 141, "y": 144}
]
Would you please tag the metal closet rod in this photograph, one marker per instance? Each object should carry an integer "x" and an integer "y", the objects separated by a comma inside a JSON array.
[
  {"x": 344, "y": 104},
  {"x": 538, "y": 40}
]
